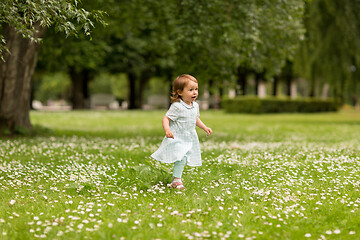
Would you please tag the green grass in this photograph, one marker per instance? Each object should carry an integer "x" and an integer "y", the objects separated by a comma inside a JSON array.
[{"x": 88, "y": 175}]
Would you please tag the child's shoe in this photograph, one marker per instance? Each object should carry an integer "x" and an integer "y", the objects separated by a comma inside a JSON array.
[{"x": 177, "y": 185}]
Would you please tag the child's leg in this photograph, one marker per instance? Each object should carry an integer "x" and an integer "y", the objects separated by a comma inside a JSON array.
[{"x": 178, "y": 169}]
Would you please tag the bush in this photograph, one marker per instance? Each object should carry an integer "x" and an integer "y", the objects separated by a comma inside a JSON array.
[{"x": 277, "y": 105}]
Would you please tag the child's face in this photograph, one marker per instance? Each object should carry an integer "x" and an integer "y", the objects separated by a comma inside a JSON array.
[{"x": 190, "y": 92}]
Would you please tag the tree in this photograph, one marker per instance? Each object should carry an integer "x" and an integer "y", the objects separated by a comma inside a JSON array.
[
  {"x": 24, "y": 23},
  {"x": 204, "y": 34},
  {"x": 272, "y": 36},
  {"x": 206, "y": 38},
  {"x": 210, "y": 39},
  {"x": 220, "y": 39},
  {"x": 166, "y": 38},
  {"x": 141, "y": 43},
  {"x": 78, "y": 57},
  {"x": 330, "y": 53}
]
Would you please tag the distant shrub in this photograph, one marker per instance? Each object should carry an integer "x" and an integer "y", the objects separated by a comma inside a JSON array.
[{"x": 278, "y": 105}]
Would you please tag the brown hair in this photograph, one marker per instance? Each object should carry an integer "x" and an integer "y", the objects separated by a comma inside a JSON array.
[{"x": 179, "y": 84}]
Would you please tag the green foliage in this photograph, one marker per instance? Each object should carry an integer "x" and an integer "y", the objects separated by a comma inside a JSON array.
[
  {"x": 78, "y": 52},
  {"x": 276, "y": 105},
  {"x": 52, "y": 86},
  {"x": 273, "y": 35},
  {"x": 115, "y": 84},
  {"x": 205, "y": 35},
  {"x": 65, "y": 16},
  {"x": 331, "y": 50},
  {"x": 163, "y": 38},
  {"x": 55, "y": 86},
  {"x": 140, "y": 36},
  {"x": 157, "y": 87},
  {"x": 209, "y": 39}
]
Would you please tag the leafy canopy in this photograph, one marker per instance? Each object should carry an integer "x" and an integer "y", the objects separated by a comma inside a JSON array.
[{"x": 65, "y": 15}]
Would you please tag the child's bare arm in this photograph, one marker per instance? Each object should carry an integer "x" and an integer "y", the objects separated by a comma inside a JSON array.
[
  {"x": 165, "y": 123},
  {"x": 201, "y": 125}
]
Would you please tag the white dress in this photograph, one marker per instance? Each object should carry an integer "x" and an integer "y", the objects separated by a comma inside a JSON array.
[{"x": 186, "y": 141}]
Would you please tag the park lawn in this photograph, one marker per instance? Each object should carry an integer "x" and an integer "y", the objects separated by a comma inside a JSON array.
[{"x": 88, "y": 175}]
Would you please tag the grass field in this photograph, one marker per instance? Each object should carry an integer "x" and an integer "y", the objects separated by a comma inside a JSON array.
[{"x": 88, "y": 175}]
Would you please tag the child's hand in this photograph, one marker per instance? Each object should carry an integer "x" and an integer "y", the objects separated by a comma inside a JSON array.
[
  {"x": 208, "y": 131},
  {"x": 169, "y": 134}
]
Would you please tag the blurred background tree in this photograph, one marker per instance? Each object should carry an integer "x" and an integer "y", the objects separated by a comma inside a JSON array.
[
  {"x": 330, "y": 55},
  {"x": 141, "y": 43}
]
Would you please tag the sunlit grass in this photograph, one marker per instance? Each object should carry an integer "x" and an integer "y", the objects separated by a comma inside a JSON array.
[{"x": 88, "y": 175}]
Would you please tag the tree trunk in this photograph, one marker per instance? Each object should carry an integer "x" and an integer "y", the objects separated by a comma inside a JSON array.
[
  {"x": 241, "y": 81},
  {"x": 132, "y": 91},
  {"x": 288, "y": 80},
  {"x": 275, "y": 85},
  {"x": 312, "y": 84},
  {"x": 86, "y": 75},
  {"x": 15, "y": 80},
  {"x": 80, "y": 95},
  {"x": 212, "y": 103},
  {"x": 137, "y": 85},
  {"x": 258, "y": 77},
  {"x": 288, "y": 75},
  {"x": 354, "y": 101}
]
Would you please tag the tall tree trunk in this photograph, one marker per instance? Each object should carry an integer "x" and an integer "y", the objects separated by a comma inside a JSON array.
[
  {"x": 275, "y": 85},
  {"x": 86, "y": 75},
  {"x": 354, "y": 97},
  {"x": 137, "y": 85},
  {"x": 288, "y": 80},
  {"x": 312, "y": 83},
  {"x": 288, "y": 75},
  {"x": 258, "y": 77},
  {"x": 241, "y": 80},
  {"x": 15, "y": 79},
  {"x": 221, "y": 92},
  {"x": 342, "y": 92},
  {"x": 132, "y": 91},
  {"x": 354, "y": 100},
  {"x": 212, "y": 103},
  {"x": 221, "y": 89},
  {"x": 79, "y": 81}
]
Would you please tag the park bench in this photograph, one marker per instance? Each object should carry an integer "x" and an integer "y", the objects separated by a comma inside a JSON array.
[{"x": 103, "y": 101}]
